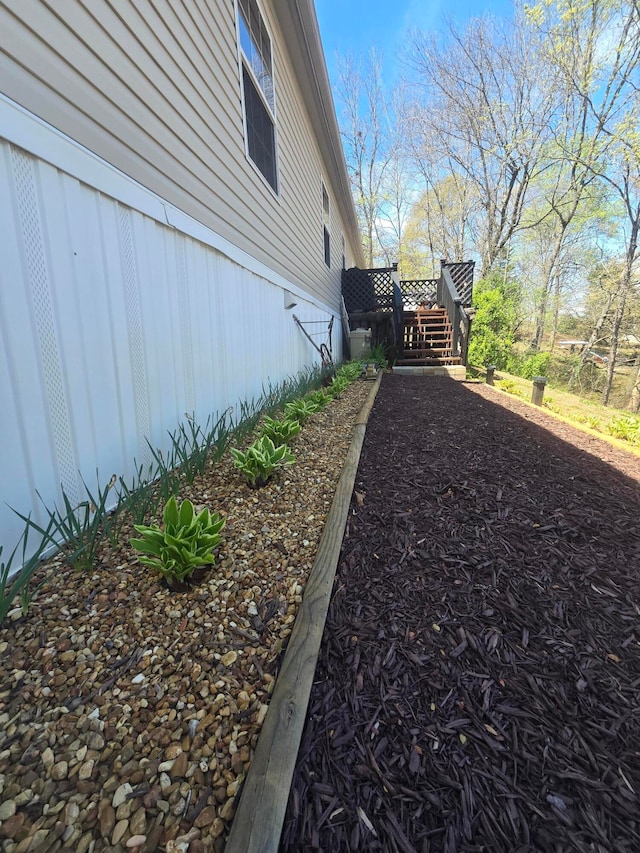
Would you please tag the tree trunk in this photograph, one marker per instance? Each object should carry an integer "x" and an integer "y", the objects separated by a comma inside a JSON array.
[
  {"x": 615, "y": 330},
  {"x": 540, "y": 319},
  {"x": 634, "y": 397},
  {"x": 622, "y": 304},
  {"x": 595, "y": 334},
  {"x": 556, "y": 312}
]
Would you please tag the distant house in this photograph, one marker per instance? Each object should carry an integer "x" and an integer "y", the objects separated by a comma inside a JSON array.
[{"x": 173, "y": 183}]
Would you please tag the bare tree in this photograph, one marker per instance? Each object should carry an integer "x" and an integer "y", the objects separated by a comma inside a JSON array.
[
  {"x": 494, "y": 106},
  {"x": 366, "y": 132},
  {"x": 593, "y": 47},
  {"x": 627, "y": 183}
]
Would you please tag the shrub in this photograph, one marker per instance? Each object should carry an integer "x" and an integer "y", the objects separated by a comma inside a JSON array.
[
  {"x": 492, "y": 330},
  {"x": 536, "y": 364},
  {"x": 260, "y": 460},
  {"x": 187, "y": 541}
]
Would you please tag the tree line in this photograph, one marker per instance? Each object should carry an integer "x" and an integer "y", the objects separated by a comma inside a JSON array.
[{"x": 516, "y": 143}]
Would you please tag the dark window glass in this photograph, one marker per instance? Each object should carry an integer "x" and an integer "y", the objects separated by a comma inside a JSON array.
[
  {"x": 256, "y": 47},
  {"x": 326, "y": 225},
  {"x": 260, "y": 132}
]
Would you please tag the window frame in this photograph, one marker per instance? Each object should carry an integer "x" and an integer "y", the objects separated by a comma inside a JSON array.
[{"x": 245, "y": 66}]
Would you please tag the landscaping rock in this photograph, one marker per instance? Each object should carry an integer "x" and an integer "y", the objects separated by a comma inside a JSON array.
[{"x": 119, "y": 675}]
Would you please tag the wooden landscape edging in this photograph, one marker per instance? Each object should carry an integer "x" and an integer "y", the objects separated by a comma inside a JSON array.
[{"x": 257, "y": 824}]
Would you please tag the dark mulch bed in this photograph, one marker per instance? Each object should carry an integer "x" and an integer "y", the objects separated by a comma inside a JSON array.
[{"x": 479, "y": 682}]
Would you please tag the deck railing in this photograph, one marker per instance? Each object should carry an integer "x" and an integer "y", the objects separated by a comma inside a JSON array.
[
  {"x": 398, "y": 316},
  {"x": 460, "y": 319},
  {"x": 416, "y": 291},
  {"x": 379, "y": 291}
]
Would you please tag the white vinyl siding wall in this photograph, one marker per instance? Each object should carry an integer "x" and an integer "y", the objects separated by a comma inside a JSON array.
[
  {"x": 113, "y": 325},
  {"x": 154, "y": 88}
]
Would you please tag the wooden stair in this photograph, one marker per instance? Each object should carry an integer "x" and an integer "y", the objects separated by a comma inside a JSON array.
[{"x": 428, "y": 338}]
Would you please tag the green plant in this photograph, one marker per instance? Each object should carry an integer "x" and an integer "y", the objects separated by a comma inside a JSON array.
[
  {"x": 194, "y": 445},
  {"x": 340, "y": 383},
  {"x": 536, "y": 364},
  {"x": 377, "y": 355},
  {"x": 280, "y": 431},
  {"x": 114, "y": 520},
  {"x": 260, "y": 460},
  {"x": 319, "y": 398},
  {"x": 187, "y": 541},
  {"x": 140, "y": 499},
  {"x": 274, "y": 398},
  {"x": 510, "y": 387},
  {"x": 165, "y": 475},
  {"x": 625, "y": 428},
  {"x": 299, "y": 410},
  {"x": 350, "y": 370},
  {"x": 492, "y": 332},
  {"x": 550, "y": 403},
  {"x": 17, "y": 583},
  {"x": 76, "y": 529}
]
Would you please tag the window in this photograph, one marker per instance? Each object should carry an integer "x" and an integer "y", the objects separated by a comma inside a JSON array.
[
  {"x": 257, "y": 86},
  {"x": 326, "y": 223},
  {"x": 344, "y": 254}
]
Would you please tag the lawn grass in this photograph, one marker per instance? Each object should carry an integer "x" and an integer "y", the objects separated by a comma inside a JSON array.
[{"x": 571, "y": 408}]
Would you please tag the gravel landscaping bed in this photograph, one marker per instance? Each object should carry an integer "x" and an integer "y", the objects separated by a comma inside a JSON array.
[{"x": 129, "y": 713}]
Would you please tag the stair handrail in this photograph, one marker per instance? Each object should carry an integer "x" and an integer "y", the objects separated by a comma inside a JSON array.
[
  {"x": 398, "y": 315},
  {"x": 460, "y": 320}
]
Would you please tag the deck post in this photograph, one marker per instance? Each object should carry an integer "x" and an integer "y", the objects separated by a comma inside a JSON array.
[
  {"x": 491, "y": 369},
  {"x": 537, "y": 392}
]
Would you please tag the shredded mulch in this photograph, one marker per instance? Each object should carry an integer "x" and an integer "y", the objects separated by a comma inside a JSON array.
[{"x": 479, "y": 681}]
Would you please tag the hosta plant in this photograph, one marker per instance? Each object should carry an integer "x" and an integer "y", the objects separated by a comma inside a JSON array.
[
  {"x": 319, "y": 398},
  {"x": 299, "y": 410},
  {"x": 261, "y": 459},
  {"x": 186, "y": 542},
  {"x": 352, "y": 369},
  {"x": 280, "y": 431},
  {"x": 339, "y": 384}
]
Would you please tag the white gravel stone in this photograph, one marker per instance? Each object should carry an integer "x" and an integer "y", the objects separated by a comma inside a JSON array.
[{"x": 120, "y": 794}]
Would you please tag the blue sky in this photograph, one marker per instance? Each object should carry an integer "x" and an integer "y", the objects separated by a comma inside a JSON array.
[{"x": 353, "y": 26}]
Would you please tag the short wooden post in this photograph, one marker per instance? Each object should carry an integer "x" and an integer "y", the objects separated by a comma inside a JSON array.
[
  {"x": 538, "y": 389},
  {"x": 491, "y": 369}
]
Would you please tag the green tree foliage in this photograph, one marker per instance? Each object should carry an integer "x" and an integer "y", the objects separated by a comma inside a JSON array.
[{"x": 494, "y": 326}]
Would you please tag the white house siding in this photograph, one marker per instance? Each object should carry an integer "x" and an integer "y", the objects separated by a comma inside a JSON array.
[
  {"x": 153, "y": 87},
  {"x": 118, "y": 315}
]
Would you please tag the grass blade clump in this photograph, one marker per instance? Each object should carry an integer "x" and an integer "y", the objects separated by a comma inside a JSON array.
[
  {"x": 76, "y": 529},
  {"x": 14, "y": 584}
]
